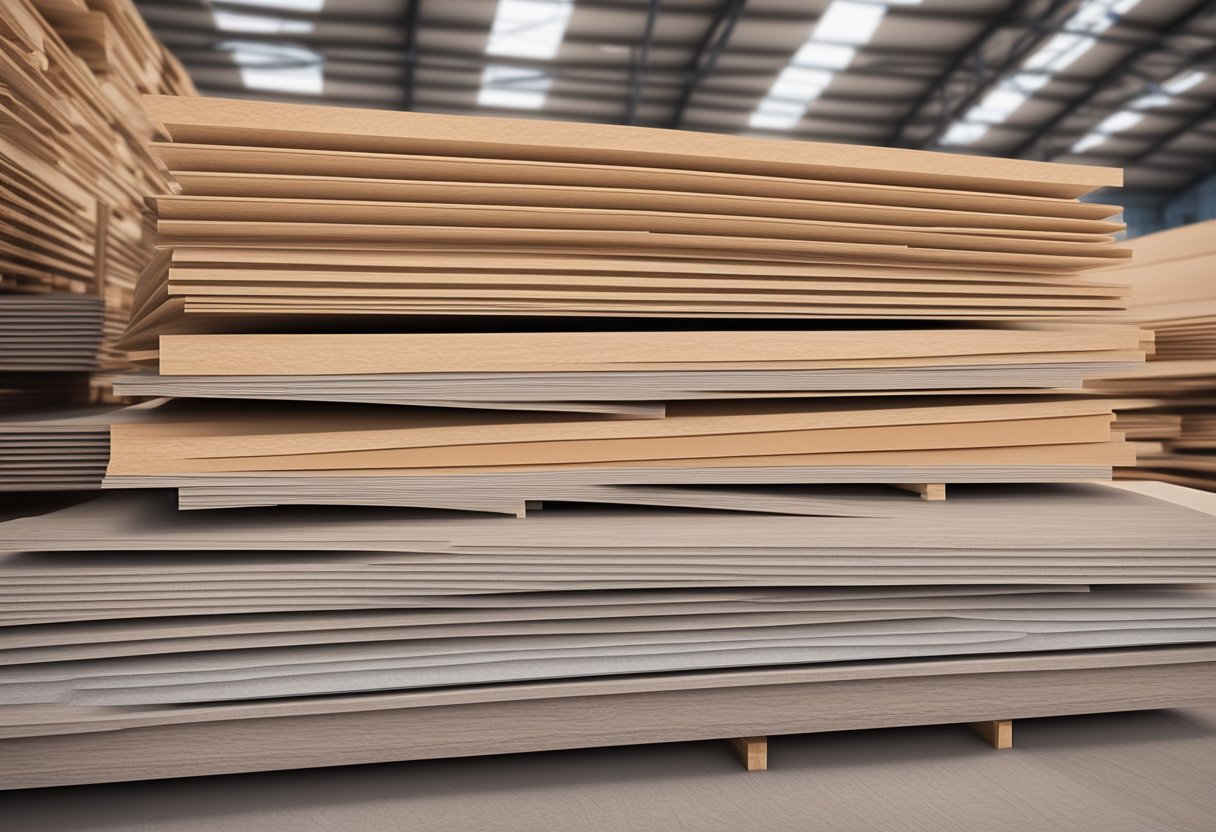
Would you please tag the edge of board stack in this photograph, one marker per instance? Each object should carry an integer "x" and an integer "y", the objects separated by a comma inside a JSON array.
[{"x": 1167, "y": 405}]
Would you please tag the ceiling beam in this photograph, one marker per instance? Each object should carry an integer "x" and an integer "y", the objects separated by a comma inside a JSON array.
[
  {"x": 1108, "y": 79},
  {"x": 641, "y": 61},
  {"x": 984, "y": 79},
  {"x": 1164, "y": 140},
  {"x": 965, "y": 56},
  {"x": 411, "y": 54},
  {"x": 707, "y": 53}
]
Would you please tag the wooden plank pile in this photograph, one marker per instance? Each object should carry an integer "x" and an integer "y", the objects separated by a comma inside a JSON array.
[
  {"x": 598, "y": 306},
  {"x": 1169, "y": 404},
  {"x": 74, "y": 174},
  {"x": 73, "y": 163}
]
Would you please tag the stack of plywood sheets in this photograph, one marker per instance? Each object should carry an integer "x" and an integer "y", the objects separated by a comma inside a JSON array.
[
  {"x": 590, "y": 306},
  {"x": 1171, "y": 401},
  {"x": 73, "y": 167},
  {"x": 418, "y": 214},
  {"x": 696, "y": 363}
]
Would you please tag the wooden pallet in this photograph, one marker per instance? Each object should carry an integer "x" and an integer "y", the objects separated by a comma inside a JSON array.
[
  {"x": 752, "y": 752},
  {"x": 926, "y": 490}
]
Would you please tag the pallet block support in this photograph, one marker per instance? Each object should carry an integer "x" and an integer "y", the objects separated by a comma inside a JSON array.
[
  {"x": 751, "y": 751},
  {"x": 926, "y": 490},
  {"x": 997, "y": 732}
]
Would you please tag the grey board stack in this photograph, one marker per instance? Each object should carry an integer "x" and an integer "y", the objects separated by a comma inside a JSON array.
[
  {"x": 1037, "y": 534},
  {"x": 48, "y": 345},
  {"x": 136, "y": 636}
]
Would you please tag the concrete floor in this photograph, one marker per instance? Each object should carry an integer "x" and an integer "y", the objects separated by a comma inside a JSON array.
[{"x": 1130, "y": 772}]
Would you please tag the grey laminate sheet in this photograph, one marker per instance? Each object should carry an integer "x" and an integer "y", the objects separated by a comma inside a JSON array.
[
  {"x": 579, "y": 662},
  {"x": 644, "y": 632},
  {"x": 980, "y": 519},
  {"x": 57, "y": 332}
]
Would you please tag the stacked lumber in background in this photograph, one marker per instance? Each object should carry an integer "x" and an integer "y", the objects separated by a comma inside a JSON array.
[
  {"x": 73, "y": 163},
  {"x": 558, "y": 435},
  {"x": 74, "y": 174},
  {"x": 1168, "y": 406}
]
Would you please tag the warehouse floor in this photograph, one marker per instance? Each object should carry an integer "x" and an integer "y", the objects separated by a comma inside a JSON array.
[{"x": 1138, "y": 772}]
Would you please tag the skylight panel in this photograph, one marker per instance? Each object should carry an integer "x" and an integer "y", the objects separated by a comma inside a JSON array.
[
  {"x": 280, "y": 5},
  {"x": 521, "y": 88},
  {"x": 529, "y": 28},
  {"x": 532, "y": 29},
  {"x": 277, "y": 68},
  {"x": 269, "y": 66},
  {"x": 257, "y": 24},
  {"x": 1060, "y": 52},
  {"x": 1184, "y": 82},
  {"x": 823, "y": 55},
  {"x": 847, "y": 21},
  {"x": 831, "y": 47}
]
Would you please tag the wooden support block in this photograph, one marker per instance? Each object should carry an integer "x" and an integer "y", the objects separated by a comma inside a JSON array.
[
  {"x": 926, "y": 490},
  {"x": 998, "y": 732},
  {"x": 751, "y": 751}
]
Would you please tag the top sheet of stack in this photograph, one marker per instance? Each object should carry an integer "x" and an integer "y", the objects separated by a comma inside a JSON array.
[{"x": 295, "y": 210}]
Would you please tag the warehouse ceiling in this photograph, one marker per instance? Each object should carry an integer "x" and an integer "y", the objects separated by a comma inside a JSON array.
[{"x": 1118, "y": 82}]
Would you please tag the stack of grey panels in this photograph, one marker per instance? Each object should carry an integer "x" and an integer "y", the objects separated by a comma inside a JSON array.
[
  {"x": 133, "y": 630},
  {"x": 49, "y": 333}
]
